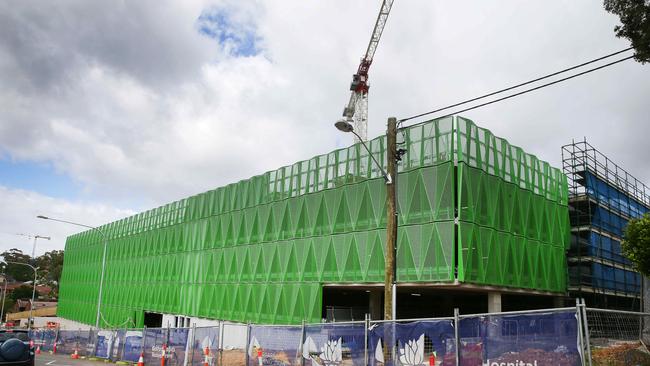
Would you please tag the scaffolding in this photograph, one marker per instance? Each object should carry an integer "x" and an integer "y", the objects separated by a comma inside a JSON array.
[{"x": 603, "y": 197}]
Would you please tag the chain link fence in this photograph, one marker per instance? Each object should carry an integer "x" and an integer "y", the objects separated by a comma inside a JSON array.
[{"x": 549, "y": 337}]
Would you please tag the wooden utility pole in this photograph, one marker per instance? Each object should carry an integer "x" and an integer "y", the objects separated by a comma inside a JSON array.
[{"x": 391, "y": 220}]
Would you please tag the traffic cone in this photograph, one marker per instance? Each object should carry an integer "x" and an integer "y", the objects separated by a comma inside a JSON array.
[
  {"x": 141, "y": 359},
  {"x": 75, "y": 355},
  {"x": 38, "y": 349},
  {"x": 54, "y": 349},
  {"x": 259, "y": 356},
  {"x": 164, "y": 354},
  {"x": 206, "y": 354}
]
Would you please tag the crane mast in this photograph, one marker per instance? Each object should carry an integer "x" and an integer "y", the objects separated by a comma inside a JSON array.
[{"x": 356, "y": 111}]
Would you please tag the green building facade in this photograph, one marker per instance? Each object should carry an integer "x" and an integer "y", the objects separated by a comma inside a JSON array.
[{"x": 472, "y": 209}]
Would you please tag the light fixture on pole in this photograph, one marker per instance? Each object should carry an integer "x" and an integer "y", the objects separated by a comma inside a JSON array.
[
  {"x": 31, "y": 307},
  {"x": 390, "y": 176},
  {"x": 101, "y": 278}
]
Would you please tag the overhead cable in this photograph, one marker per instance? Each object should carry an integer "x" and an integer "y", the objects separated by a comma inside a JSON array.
[{"x": 526, "y": 83}]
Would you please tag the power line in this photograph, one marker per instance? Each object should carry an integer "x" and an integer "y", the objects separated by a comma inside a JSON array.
[{"x": 526, "y": 83}]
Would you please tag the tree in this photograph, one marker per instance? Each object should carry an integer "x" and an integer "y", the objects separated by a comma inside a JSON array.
[
  {"x": 16, "y": 271},
  {"x": 635, "y": 19},
  {"x": 22, "y": 292},
  {"x": 50, "y": 267},
  {"x": 636, "y": 243}
]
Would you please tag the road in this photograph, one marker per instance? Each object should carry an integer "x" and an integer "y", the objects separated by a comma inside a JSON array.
[{"x": 46, "y": 359}]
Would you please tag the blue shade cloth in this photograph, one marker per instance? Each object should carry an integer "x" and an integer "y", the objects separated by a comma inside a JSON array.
[
  {"x": 543, "y": 339},
  {"x": 414, "y": 342},
  {"x": 278, "y": 345}
]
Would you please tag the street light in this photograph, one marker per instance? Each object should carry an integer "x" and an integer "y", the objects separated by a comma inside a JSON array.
[
  {"x": 390, "y": 176},
  {"x": 31, "y": 308},
  {"x": 101, "y": 279}
]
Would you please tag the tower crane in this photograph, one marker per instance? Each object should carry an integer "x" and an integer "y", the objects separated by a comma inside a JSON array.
[{"x": 356, "y": 111}]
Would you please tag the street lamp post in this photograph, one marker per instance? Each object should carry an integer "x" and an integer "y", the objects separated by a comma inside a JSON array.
[
  {"x": 4, "y": 295},
  {"x": 101, "y": 278},
  {"x": 31, "y": 308},
  {"x": 390, "y": 176}
]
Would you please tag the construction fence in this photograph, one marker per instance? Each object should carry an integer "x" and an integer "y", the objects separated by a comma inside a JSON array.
[{"x": 562, "y": 336}]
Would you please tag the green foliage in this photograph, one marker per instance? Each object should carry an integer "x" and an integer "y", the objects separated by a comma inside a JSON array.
[
  {"x": 636, "y": 244},
  {"x": 50, "y": 266},
  {"x": 17, "y": 272},
  {"x": 635, "y": 19},
  {"x": 22, "y": 292}
]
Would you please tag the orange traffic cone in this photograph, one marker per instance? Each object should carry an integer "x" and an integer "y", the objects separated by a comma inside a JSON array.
[
  {"x": 38, "y": 350},
  {"x": 75, "y": 355},
  {"x": 164, "y": 355},
  {"x": 259, "y": 356},
  {"x": 206, "y": 358},
  {"x": 141, "y": 359},
  {"x": 54, "y": 349}
]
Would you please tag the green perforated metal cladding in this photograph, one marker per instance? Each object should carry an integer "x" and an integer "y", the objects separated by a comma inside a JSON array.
[{"x": 472, "y": 208}]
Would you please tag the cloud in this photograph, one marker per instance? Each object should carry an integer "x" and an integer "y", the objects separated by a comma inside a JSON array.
[
  {"x": 20, "y": 209},
  {"x": 142, "y": 103}
]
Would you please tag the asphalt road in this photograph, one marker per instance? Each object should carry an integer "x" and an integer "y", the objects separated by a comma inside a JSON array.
[{"x": 46, "y": 359}]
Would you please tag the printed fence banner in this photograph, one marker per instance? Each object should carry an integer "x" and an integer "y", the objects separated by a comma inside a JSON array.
[
  {"x": 154, "y": 339},
  {"x": 275, "y": 345},
  {"x": 68, "y": 342},
  {"x": 415, "y": 343},
  {"x": 176, "y": 346},
  {"x": 104, "y": 343},
  {"x": 47, "y": 339},
  {"x": 83, "y": 337},
  {"x": 205, "y": 346},
  {"x": 540, "y": 339},
  {"x": 130, "y": 345},
  {"x": 334, "y": 344}
]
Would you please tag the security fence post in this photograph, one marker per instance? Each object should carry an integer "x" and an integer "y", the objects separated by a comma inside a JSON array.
[
  {"x": 248, "y": 341},
  {"x": 457, "y": 334},
  {"x": 365, "y": 339},
  {"x": 220, "y": 344},
  {"x": 192, "y": 343},
  {"x": 302, "y": 343},
  {"x": 583, "y": 307},
  {"x": 580, "y": 333},
  {"x": 144, "y": 337}
]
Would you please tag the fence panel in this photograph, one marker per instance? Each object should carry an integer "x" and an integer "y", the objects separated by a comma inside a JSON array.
[
  {"x": 128, "y": 345},
  {"x": 177, "y": 346},
  {"x": 69, "y": 341},
  {"x": 205, "y": 346},
  {"x": 234, "y": 345},
  {"x": 615, "y": 337},
  {"x": 104, "y": 341},
  {"x": 334, "y": 344},
  {"x": 275, "y": 345},
  {"x": 542, "y": 339},
  {"x": 414, "y": 343},
  {"x": 155, "y": 338}
]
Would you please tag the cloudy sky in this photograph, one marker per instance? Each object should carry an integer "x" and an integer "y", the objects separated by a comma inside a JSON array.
[{"x": 108, "y": 108}]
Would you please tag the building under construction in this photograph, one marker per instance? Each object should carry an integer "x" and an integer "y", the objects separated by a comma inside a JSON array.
[
  {"x": 482, "y": 226},
  {"x": 603, "y": 197}
]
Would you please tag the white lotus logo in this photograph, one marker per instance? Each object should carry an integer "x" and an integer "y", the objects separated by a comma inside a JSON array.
[
  {"x": 329, "y": 355},
  {"x": 413, "y": 352}
]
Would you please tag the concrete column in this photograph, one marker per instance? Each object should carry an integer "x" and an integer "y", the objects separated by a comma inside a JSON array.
[
  {"x": 494, "y": 302},
  {"x": 374, "y": 305}
]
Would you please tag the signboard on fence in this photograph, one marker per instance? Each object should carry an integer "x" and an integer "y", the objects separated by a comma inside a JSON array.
[{"x": 537, "y": 339}]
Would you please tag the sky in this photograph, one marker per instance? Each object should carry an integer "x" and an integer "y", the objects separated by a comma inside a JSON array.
[{"x": 109, "y": 108}]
